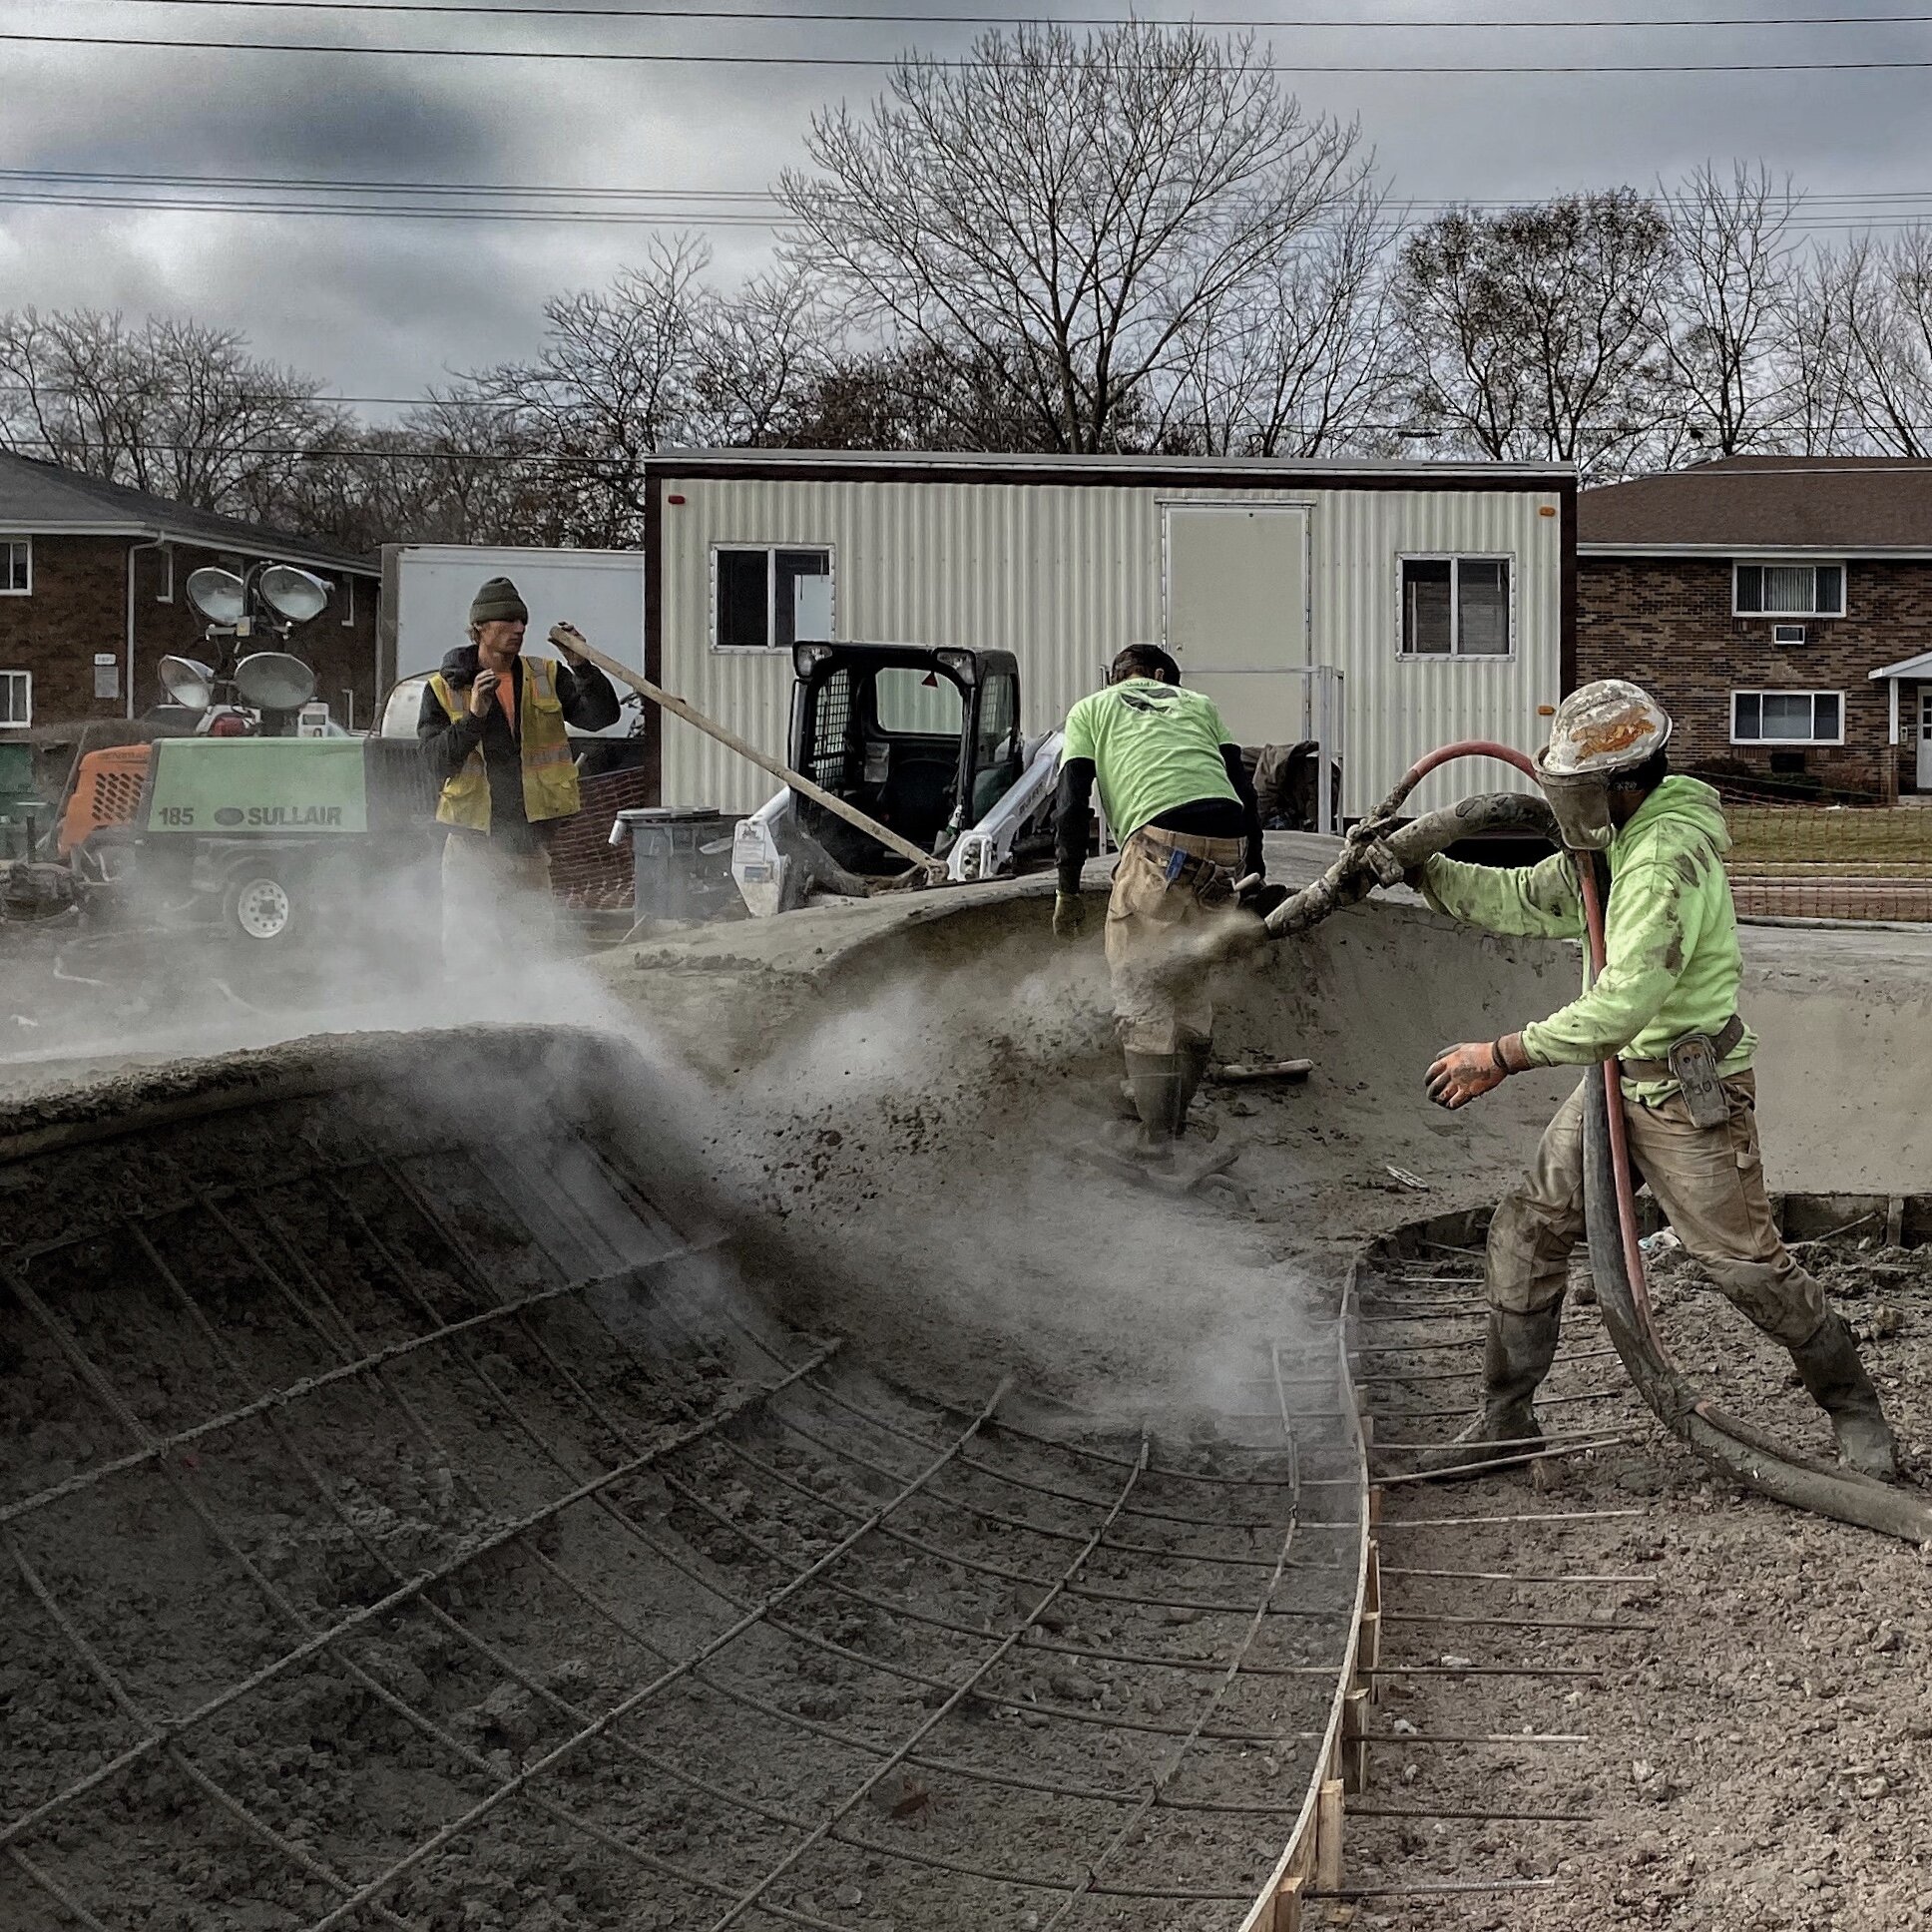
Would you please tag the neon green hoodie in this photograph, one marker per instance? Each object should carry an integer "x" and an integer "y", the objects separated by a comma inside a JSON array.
[{"x": 1672, "y": 963}]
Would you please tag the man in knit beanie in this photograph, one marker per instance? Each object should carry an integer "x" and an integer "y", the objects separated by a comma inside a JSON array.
[{"x": 492, "y": 727}]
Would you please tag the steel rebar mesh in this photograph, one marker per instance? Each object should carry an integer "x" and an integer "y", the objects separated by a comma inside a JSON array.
[{"x": 425, "y": 1534}]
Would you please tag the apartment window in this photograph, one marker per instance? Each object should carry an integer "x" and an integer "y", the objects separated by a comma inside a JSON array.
[
  {"x": 16, "y": 697},
  {"x": 1456, "y": 607},
  {"x": 766, "y": 599},
  {"x": 1788, "y": 718},
  {"x": 16, "y": 566},
  {"x": 1787, "y": 590}
]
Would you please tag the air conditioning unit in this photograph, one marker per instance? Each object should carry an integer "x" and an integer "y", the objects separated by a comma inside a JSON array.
[{"x": 1791, "y": 634}]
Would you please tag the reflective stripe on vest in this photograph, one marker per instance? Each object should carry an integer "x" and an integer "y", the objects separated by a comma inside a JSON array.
[{"x": 550, "y": 787}]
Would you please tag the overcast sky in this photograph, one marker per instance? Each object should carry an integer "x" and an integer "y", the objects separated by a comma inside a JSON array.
[{"x": 383, "y": 306}]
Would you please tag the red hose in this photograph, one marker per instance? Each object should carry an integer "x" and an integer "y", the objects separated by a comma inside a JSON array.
[{"x": 1593, "y": 919}]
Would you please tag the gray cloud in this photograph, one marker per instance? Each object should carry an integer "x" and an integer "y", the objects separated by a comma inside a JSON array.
[{"x": 385, "y": 306}]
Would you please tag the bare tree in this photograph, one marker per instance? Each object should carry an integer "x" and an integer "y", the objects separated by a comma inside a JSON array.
[
  {"x": 165, "y": 405},
  {"x": 1532, "y": 331},
  {"x": 1302, "y": 363},
  {"x": 616, "y": 379},
  {"x": 1066, "y": 207},
  {"x": 1876, "y": 300},
  {"x": 1726, "y": 305}
]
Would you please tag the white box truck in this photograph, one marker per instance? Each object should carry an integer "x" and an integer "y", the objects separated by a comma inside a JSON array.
[{"x": 426, "y": 592}]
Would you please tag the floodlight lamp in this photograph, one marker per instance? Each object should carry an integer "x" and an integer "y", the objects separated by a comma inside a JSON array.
[
  {"x": 187, "y": 682},
  {"x": 297, "y": 595},
  {"x": 217, "y": 594},
  {"x": 273, "y": 681}
]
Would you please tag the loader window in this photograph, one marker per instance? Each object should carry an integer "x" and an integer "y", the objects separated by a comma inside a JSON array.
[
  {"x": 917, "y": 703},
  {"x": 998, "y": 708},
  {"x": 835, "y": 745}
]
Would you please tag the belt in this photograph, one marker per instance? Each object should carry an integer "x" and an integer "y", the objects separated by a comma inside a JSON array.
[
  {"x": 1202, "y": 873},
  {"x": 1722, "y": 1043}
]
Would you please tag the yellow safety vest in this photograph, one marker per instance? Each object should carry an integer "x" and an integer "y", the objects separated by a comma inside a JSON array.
[{"x": 549, "y": 771}]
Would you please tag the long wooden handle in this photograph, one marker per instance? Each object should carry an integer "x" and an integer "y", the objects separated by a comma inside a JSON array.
[{"x": 732, "y": 741}]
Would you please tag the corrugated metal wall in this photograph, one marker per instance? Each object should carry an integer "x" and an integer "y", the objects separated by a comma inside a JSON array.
[{"x": 1064, "y": 575}]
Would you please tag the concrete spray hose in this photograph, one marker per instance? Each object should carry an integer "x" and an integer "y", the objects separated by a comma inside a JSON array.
[{"x": 1732, "y": 1447}]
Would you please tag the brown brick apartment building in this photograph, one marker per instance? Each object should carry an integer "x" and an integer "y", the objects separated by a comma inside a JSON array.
[
  {"x": 92, "y": 596},
  {"x": 1780, "y": 607}
]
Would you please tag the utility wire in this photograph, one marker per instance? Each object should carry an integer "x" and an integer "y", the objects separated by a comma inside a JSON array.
[
  {"x": 705, "y": 219},
  {"x": 607, "y": 56},
  {"x": 760, "y": 199},
  {"x": 471, "y": 9}
]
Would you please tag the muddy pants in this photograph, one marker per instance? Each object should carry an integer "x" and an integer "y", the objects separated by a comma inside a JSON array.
[
  {"x": 1709, "y": 1181},
  {"x": 494, "y": 901},
  {"x": 1163, "y": 1001}
]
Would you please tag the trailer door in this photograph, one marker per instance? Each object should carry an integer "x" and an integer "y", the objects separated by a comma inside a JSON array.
[{"x": 1237, "y": 591}]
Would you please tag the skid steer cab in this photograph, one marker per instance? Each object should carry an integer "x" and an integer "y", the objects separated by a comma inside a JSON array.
[{"x": 925, "y": 739}]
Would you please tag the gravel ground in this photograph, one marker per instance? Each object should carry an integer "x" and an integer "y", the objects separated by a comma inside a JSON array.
[{"x": 1758, "y": 1741}]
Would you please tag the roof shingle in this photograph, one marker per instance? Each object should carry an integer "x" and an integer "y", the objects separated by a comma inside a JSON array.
[
  {"x": 37, "y": 496},
  {"x": 1851, "y": 505}
]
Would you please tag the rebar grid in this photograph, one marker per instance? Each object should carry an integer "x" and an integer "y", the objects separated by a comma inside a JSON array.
[{"x": 298, "y": 1288}]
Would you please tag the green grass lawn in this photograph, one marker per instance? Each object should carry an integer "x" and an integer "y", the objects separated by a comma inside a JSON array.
[{"x": 1821, "y": 840}]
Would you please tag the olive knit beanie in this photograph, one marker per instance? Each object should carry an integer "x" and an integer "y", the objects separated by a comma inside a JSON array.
[{"x": 498, "y": 602}]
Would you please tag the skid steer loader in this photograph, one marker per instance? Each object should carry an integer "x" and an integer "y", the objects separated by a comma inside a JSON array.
[{"x": 926, "y": 740}]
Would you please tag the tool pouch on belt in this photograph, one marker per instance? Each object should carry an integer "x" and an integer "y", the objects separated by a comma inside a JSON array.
[
  {"x": 1693, "y": 1063},
  {"x": 1211, "y": 884}
]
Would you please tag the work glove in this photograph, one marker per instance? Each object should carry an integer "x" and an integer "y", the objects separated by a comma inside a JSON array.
[
  {"x": 1464, "y": 1073},
  {"x": 1068, "y": 915},
  {"x": 568, "y": 641},
  {"x": 1260, "y": 898}
]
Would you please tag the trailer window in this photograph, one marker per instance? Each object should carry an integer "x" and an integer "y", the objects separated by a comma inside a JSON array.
[
  {"x": 1456, "y": 607},
  {"x": 766, "y": 599},
  {"x": 917, "y": 702}
]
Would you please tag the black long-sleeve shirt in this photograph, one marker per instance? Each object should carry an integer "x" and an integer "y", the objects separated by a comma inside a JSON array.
[
  {"x": 588, "y": 702},
  {"x": 1237, "y": 818}
]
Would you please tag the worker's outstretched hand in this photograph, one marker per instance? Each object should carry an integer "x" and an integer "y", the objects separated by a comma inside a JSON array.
[
  {"x": 570, "y": 641},
  {"x": 1461, "y": 1074},
  {"x": 1068, "y": 915}
]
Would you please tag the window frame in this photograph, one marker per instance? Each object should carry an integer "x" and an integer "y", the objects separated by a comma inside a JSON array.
[
  {"x": 1762, "y": 743},
  {"x": 1455, "y": 559},
  {"x": 19, "y": 723},
  {"x": 1813, "y": 565},
  {"x": 769, "y": 551},
  {"x": 24, "y": 541}
]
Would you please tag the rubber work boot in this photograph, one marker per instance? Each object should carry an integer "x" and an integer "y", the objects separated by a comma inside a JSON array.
[
  {"x": 1830, "y": 1369},
  {"x": 1516, "y": 1353},
  {"x": 1159, "y": 1083},
  {"x": 1193, "y": 1056}
]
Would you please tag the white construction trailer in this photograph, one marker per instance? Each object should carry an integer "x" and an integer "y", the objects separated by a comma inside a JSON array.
[
  {"x": 1383, "y": 608},
  {"x": 428, "y": 588}
]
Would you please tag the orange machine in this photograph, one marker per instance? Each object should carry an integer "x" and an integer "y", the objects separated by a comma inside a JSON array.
[{"x": 106, "y": 792}]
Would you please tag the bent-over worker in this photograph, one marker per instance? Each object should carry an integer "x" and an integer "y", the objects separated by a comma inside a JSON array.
[
  {"x": 1178, "y": 798},
  {"x": 492, "y": 726},
  {"x": 1666, "y": 1006}
]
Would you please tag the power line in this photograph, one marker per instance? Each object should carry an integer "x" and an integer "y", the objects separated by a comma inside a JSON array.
[
  {"x": 474, "y": 10},
  {"x": 655, "y": 58},
  {"x": 761, "y": 198}
]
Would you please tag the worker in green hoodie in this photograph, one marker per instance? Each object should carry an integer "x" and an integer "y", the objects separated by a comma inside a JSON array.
[{"x": 1666, "y": 1006}]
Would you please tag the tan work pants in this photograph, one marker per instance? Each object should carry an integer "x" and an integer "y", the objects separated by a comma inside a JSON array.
[
  {"x": 1709, "y": 1181},
  {"x": 1162, "y": 998},
  {"x": 494, "y": 901}
]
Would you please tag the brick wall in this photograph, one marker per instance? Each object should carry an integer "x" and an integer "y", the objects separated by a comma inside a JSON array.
[
  {"x": 1667, "y": 623},
  {"x": 78, "y": 606}
]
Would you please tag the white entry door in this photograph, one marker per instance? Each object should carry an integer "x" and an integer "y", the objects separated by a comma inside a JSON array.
[
  {"x": 1925, "y": 738},
  {"x": 1237, "y": 580}
]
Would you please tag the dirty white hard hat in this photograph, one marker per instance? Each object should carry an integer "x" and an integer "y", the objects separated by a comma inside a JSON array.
[{"x": 1601, "y": 729}]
